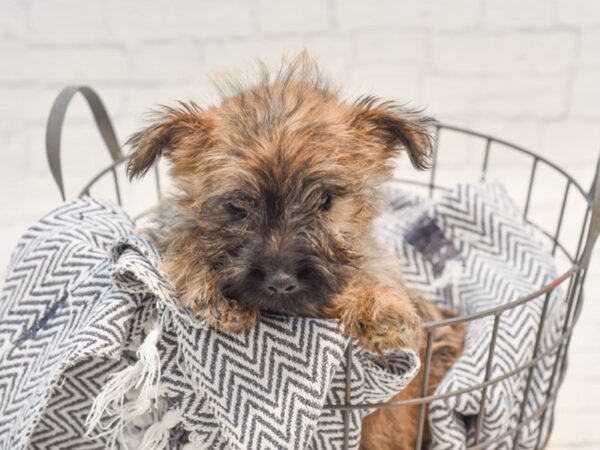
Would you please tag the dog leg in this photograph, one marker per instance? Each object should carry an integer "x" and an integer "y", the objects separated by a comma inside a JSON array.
[
  {"x": 198, "y": 291},
  {"x": 396, "y": 428},
  {"x": 228, "y": 315},
  {"x": 379, "y": 316}
]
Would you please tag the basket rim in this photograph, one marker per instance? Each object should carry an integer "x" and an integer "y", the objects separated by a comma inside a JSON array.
[
  {"x": 590, "y": 230},
  {"x": 494, "y": 311}
]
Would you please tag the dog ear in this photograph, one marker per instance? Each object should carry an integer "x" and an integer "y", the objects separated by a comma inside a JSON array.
[
  {"x": 185, "y": 125},
  {"x": 397, "y": 128}
]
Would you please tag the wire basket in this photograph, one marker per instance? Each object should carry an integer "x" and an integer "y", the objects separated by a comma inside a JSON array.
[{"x": 572, "y": 279}]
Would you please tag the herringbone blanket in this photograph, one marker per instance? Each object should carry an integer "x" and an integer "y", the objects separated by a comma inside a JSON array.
[
  {"x": 471, "y": 250},
  {"x": 92, "y": 338}
]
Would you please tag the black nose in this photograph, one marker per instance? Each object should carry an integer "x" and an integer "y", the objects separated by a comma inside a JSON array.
[{"x": 281, "y": 282}]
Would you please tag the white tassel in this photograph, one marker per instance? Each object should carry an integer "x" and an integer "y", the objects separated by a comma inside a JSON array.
[
  {"x": 195, "y": 442},
  {"x": 149, "y": 361},
  {"x": 111, "y": 398},
  {"x": 142, "y": 378},
  {"x": 156, "y": 437}
]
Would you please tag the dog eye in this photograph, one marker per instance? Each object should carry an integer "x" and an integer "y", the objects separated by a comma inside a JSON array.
[
  {"x": 325, "y": 201},
  {"x": 236, "y": 210}
]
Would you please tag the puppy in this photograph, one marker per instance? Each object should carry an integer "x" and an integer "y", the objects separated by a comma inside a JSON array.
[{"x": 276, "y": 189}]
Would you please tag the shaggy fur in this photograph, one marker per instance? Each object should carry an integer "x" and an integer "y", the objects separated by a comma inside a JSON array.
[{"x": 276, "y": 190}]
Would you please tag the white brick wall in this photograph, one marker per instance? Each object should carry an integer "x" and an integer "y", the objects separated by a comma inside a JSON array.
[{"x": 526, "y": 70}]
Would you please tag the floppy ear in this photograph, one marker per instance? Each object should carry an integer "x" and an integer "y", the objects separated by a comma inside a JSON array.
[
  {"x": 185, "y": 125},
  {"x": 397, "y": 128}
]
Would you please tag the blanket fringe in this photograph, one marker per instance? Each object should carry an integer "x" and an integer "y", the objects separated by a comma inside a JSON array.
[
  {"x": 195, "y": 442},
  {"x": 156, "y": 436},
  {"x": 129, "y": 394}
]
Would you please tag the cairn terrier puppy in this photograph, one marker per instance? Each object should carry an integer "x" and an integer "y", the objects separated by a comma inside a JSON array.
[{"x": 275, "y": 192}]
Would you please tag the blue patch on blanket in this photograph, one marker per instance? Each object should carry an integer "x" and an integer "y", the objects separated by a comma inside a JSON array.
[{"x": 430, "y": 241}]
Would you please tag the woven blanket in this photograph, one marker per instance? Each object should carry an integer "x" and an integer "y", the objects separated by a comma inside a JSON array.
[
  {"x": 470, "y": 251},
  {"x": 95, "y": 351},
  {"x": 93, "y": 338}
]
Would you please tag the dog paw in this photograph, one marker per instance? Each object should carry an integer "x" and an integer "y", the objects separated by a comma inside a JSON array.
[
  {"x": 391, "y": 325},
  {"x": 230, "y": 316}
]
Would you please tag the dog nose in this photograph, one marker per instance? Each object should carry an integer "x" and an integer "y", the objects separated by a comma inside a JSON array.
[{"x": 281, "y": 282}]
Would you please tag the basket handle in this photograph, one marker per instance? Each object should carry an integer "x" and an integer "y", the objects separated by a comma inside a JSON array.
[
  {"x": 55, "y": 125},
  {"x": 594, "y": 228}
]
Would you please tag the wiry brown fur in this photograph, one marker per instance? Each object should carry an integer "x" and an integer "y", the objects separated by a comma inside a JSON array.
[
  {"x": 396, "y": 428},
  {"x": 276, "y": 190}
]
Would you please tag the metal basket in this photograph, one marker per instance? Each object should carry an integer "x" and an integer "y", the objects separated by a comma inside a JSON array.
[{"x": 572, "y": 279}]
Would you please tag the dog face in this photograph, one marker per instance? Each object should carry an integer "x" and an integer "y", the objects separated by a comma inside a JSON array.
[{"x": 278, "y": 184}]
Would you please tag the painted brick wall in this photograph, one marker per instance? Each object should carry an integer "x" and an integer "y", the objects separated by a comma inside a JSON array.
[{"x": 525, "y": 70}]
